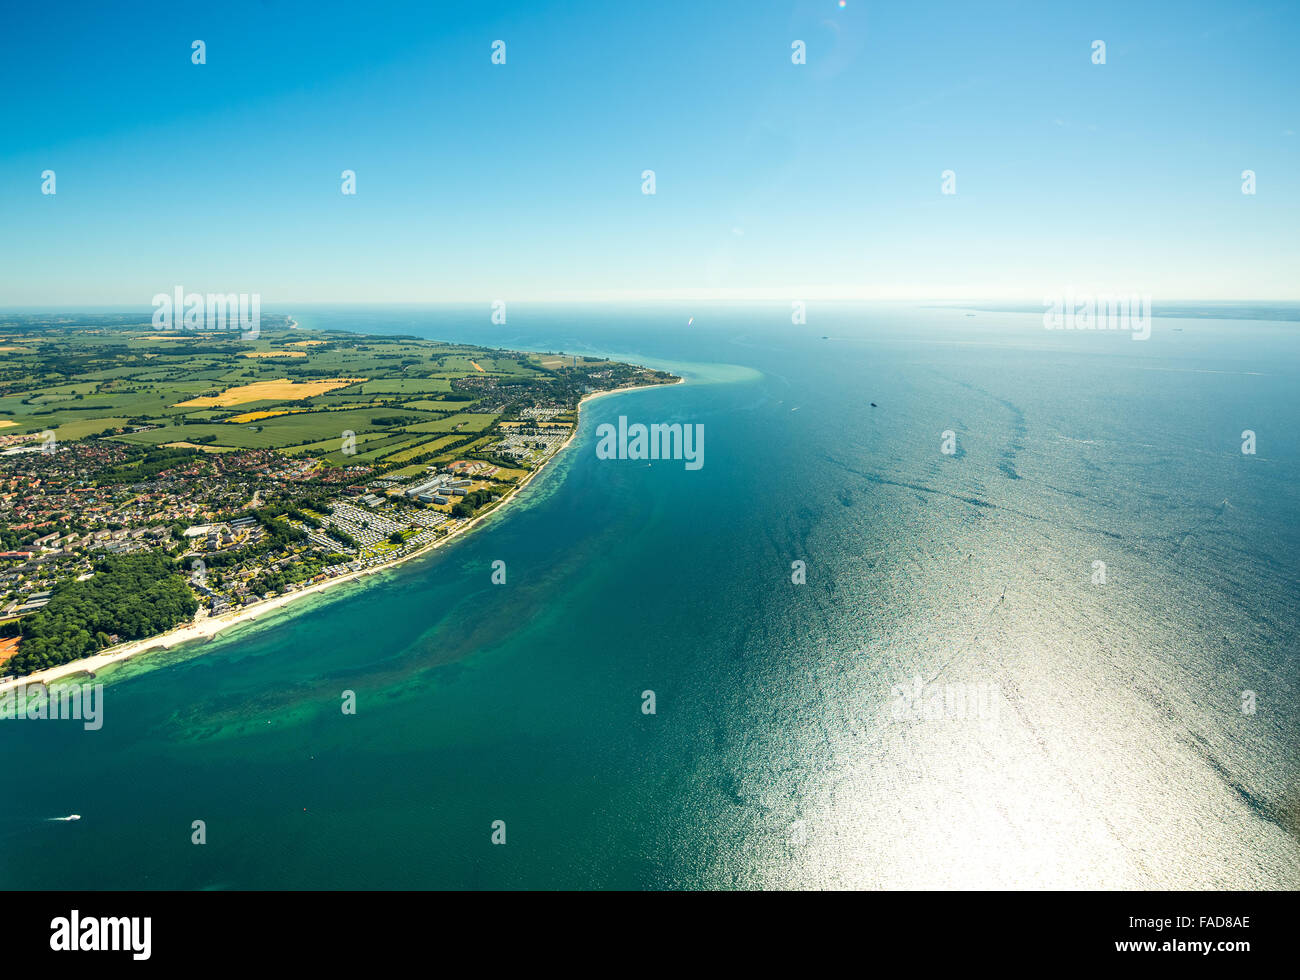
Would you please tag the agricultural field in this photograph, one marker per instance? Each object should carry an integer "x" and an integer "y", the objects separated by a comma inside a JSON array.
[{"x": 388, "y": 403}]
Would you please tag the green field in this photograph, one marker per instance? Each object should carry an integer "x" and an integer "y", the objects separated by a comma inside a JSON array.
[
  {"x": 126, "y": 382},
  {"x": 395, "y": 399}
]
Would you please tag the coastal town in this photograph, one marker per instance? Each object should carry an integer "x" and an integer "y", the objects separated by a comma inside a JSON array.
[{"x": 230, "y": 526}]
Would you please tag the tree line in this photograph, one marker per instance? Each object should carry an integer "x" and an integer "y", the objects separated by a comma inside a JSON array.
[{"x": 130, "y": 597}]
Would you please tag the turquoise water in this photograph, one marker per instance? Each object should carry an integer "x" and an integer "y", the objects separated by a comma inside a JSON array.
[{"x": 1119, "y": 755}]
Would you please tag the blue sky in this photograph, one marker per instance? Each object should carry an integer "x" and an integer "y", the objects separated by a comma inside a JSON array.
[{"x": 523, "y": 181}]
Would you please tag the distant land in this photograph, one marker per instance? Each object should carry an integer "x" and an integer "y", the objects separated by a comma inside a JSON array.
[{"x": 1186, "y": 310}]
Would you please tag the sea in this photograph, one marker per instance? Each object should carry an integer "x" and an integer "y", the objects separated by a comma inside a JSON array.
[{"x": 954, "y": 601}]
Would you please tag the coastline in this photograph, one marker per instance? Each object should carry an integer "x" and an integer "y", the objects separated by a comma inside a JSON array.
[{"x": 209, "y": 626}]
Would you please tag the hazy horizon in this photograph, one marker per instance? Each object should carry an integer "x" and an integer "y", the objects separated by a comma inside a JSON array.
[{"x": 1176, "y": 307}]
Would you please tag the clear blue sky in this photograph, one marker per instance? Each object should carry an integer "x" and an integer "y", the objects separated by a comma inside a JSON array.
[{"x": 523, "y": 181}]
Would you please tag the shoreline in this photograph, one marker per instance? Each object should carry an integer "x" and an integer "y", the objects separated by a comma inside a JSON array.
[{"x": 210, "y": 626}]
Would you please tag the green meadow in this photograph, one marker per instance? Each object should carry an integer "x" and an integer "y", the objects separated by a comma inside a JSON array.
[{"x": 398, "y": 399}]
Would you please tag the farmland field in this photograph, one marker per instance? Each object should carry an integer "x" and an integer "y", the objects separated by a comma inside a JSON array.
[
  {"x": 278, "y": 390},
  {"x": 387, "y": 403}
]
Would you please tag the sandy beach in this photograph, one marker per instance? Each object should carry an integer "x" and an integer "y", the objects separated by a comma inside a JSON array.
[{"x": 207, "y": 627}]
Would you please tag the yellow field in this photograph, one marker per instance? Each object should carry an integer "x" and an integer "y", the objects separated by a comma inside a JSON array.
[
  {"x": 5, "y": 423},
  {"x": 193, "y": 445},
  {"x": 170, "y": 336},
  {"x": 306, "y": 343},
  {"x": 281, "y": 389},
  {"x": 258, "y": 416},
  {"x": 476, "y": 366},
  {"x": 273, "y": 353}
]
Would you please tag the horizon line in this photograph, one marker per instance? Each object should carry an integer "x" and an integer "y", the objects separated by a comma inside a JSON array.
[{"x": 765, "y": 297}]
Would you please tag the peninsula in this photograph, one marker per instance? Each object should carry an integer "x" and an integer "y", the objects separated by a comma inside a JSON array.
[{"x": 157, "y": 487}]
